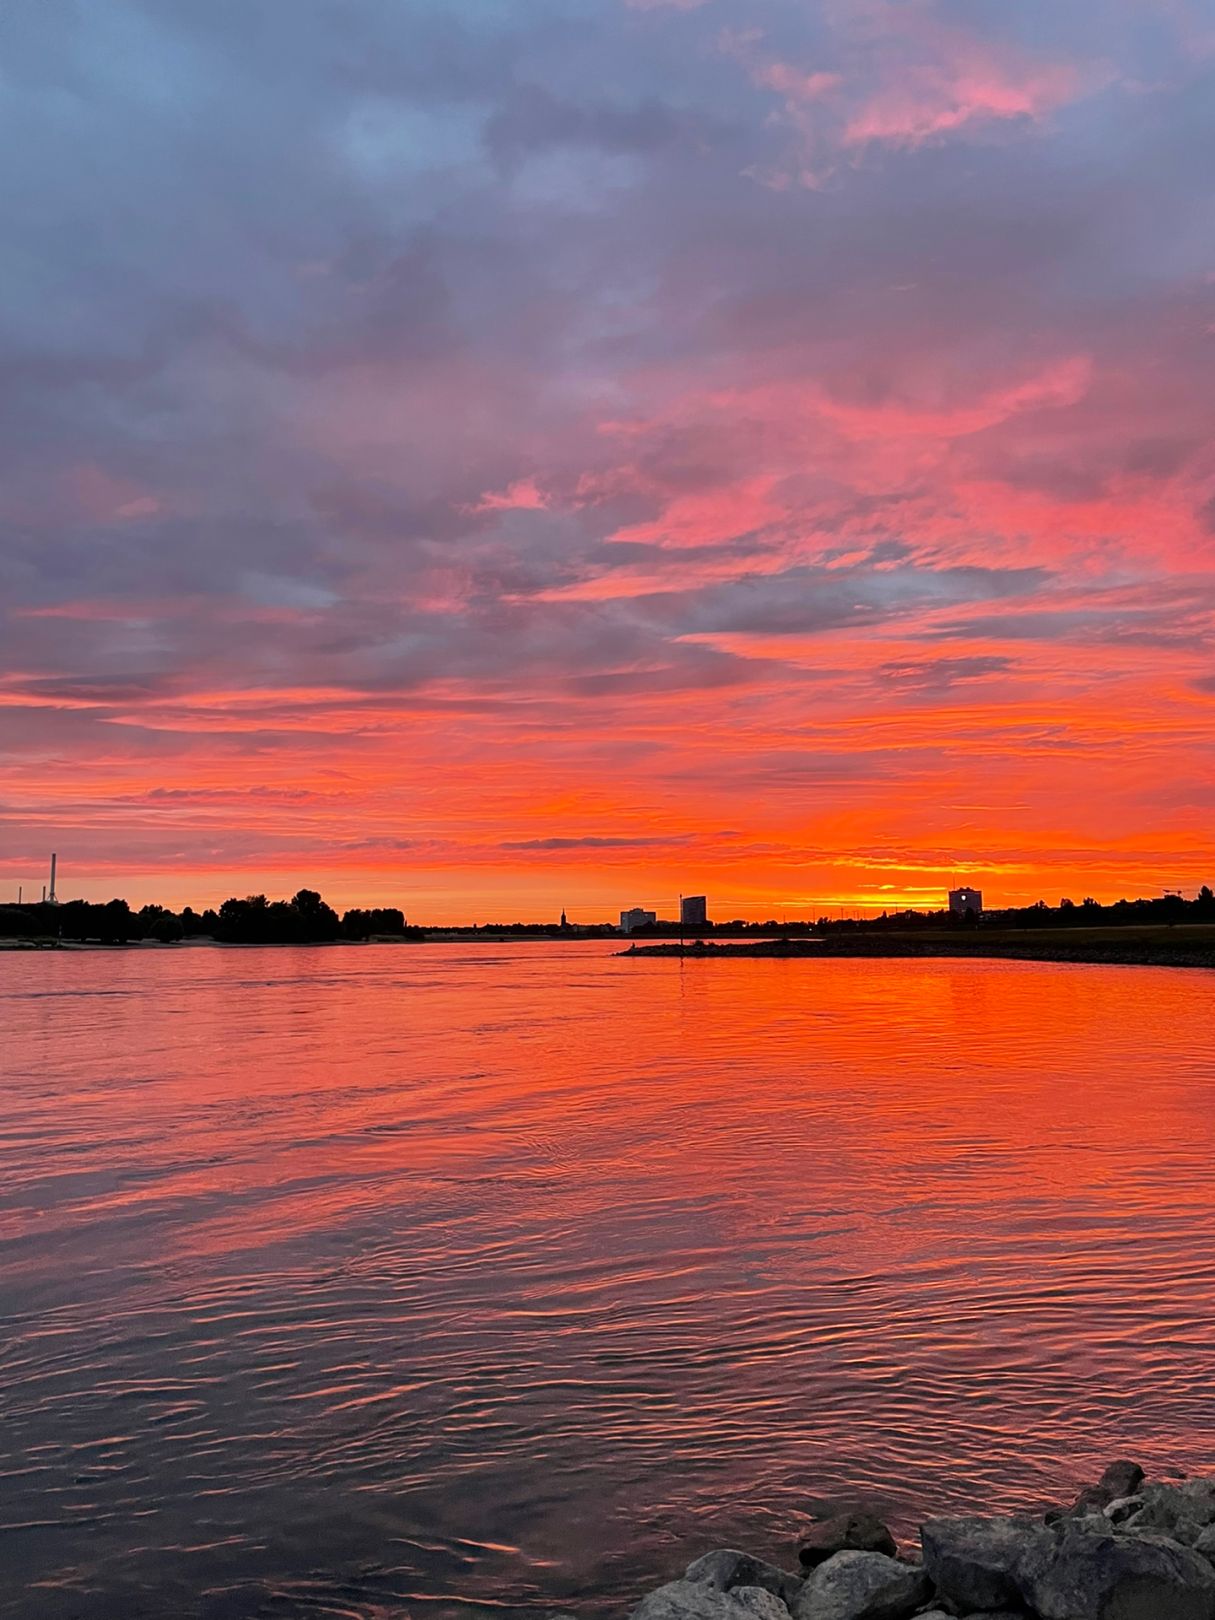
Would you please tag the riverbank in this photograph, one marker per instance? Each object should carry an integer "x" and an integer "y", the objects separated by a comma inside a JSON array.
[
  {"x": 1123, "y": 1550},
  {"x": 1182, "y": 945}
]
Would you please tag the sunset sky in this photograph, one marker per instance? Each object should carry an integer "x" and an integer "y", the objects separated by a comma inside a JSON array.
[{"x": 492, "y": 455}]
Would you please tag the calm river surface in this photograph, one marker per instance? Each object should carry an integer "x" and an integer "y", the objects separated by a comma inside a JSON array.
[{"x": 451, "y": 1280}]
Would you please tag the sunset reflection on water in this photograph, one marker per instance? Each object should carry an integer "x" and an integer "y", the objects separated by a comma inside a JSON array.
[{"x": 355, "y": 1281}]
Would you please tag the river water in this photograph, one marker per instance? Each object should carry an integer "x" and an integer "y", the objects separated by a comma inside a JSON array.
[{"x": 447, "y": 1280}]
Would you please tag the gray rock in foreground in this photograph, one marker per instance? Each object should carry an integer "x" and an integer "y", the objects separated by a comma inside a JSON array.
[
  {"x": 1083, "y": 1575},
  {"x": 1180, "y": 1511},
  {"x": 691, "y": 1600},
  {"x": 974, "y": 1562},
  {"x": 862, "y": 1586},
  {"x": 726, "y": 1568},
  {"x": 759, "y": 1601},
  {"x": 1119, "y": 1479},
  {"x": 1123, "y": 1550},
  {"x": 845, "y": 1532}
]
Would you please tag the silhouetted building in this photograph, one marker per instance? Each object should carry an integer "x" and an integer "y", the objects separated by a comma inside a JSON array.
[
  {"x": 693, "y": 910},
  {"x": 963, "y": 900},
  {"x": 635, "y": 917}
]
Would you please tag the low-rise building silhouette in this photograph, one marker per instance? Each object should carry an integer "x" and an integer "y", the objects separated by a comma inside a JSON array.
[{"x": 636, "y": 917}]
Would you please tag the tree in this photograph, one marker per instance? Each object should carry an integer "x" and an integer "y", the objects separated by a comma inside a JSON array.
[
  {"x": 146, "y": 919},
  {"x": 305, "y": 919},
  {"x": 112, "y": 922},
  {"x": 243, "y": 922},
  {"x": 15, "y": 923},
  {"x": 358, "y": 923},
  {"x": 316, "y": 920}
]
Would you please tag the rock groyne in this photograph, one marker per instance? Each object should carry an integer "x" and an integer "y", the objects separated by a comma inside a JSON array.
[
  {"x": 1161, "y": 947},
  {"x": 1123, "y": 1550}
]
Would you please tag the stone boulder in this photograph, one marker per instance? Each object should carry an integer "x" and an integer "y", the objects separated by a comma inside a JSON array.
[
  {"x": 1095, "y": 1522},
  {"x": 845, "y": 1532},
  {"x": 862, "y": 1586},
  {"x": 974, "y": 1562},
  {"x": 1122, "y": 1508},
  {"x": 725, "y": 1568},
  {"x": 759, "y": 1601},
  {"x": 1180, "y": 1511},
  {"x": 1084, "y": 1575},
  {"x": 1119, "y": 1479},
  {"x": 695, "y": 1600}
]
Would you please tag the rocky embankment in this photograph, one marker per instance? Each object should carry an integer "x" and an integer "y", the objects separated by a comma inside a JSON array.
[{"x": 1124, "y": 1550}]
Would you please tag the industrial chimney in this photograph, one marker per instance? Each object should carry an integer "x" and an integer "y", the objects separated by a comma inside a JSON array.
[{"x": 51, "y": 900}]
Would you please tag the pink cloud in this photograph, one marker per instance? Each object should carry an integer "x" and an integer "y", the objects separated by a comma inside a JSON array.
[
  {"x": 896, "y": 75},
  {"x": 709, "y": 517},
  {"x": 1061, "y": 384},
  {"x": 524, "y": 495},
  {"x": 969, "y": 83}
]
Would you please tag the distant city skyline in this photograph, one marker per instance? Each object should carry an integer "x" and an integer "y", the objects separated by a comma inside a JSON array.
[
  {"x": 682, "y": 911},
  {"x": 687, "y": 909},
  {"x": 671, "y": 909}
]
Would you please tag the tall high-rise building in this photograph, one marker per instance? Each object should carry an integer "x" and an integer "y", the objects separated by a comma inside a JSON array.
[{"x": 693, "y": 910}]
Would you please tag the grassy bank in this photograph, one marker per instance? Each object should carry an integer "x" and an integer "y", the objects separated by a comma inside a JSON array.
[{"x": 1150, "y": 945}]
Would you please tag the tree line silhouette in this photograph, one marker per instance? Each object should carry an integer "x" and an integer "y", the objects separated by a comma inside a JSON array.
[{"x": 305, "y": 919}]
